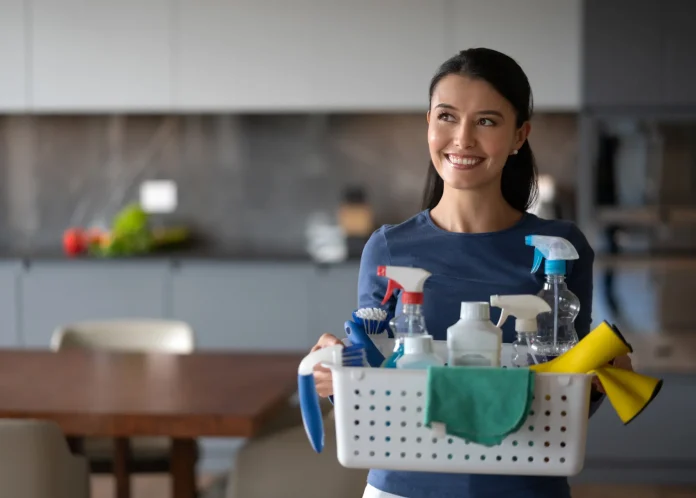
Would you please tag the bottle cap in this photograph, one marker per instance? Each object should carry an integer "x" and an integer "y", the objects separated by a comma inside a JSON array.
[
  {"x": 555, "y": 267},
  {"x": 475, "y": 311},
  {"x": 418, "y": 344}
]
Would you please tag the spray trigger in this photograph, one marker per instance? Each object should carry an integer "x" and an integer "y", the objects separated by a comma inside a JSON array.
[
  {"x": 391, "y": 287},
  {"x": 538, "y": 258}
]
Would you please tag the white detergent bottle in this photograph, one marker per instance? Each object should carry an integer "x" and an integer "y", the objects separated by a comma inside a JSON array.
[
  {"x": 474, "y": 340},
  {"x": 418, "y": 353},
  {"x": 525, "y": 308}
]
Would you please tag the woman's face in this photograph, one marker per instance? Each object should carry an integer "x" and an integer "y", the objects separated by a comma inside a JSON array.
[{"x": 471, "y": 132}]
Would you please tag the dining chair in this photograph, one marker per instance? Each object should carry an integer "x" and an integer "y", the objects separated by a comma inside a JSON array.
[{"x": 36, "y": 462}]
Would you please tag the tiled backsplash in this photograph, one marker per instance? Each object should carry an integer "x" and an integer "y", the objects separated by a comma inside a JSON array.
[{"x": 248, "y": 183}]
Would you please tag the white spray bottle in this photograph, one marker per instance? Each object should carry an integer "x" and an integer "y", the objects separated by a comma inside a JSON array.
[
  {"x": 524, "y": 308},
  {"x": 556, "y": 333},
  {"x": 410, "y": 322}
]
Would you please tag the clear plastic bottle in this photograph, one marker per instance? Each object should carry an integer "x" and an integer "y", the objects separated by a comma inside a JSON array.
[
  {"x": 418, "y": 353},
  {"x": 410, "y": 322},
  {"x": 556, "y": 333},
  {"x": 522, "y": 349}
]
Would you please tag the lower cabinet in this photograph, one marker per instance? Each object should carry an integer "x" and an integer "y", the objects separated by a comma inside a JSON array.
[{"x": 53, "y": 294}]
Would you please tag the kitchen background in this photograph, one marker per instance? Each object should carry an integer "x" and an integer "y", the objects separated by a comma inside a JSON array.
[{"x": 278, "y": 134}]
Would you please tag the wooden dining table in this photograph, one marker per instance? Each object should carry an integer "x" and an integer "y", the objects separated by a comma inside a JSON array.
[{"x": 123, "y": 395}]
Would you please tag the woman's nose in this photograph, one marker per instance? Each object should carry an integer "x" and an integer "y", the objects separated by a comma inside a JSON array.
[{"x": 465, "y": 136}]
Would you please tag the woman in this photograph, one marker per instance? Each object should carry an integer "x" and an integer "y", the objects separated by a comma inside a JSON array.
[{"x": 471, "y": 237}]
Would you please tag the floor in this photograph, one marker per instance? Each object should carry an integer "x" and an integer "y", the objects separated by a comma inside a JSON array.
[{"x": 160, "y": 487}]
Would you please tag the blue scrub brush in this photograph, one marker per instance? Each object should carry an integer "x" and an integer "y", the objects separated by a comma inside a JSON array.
[
  {"x": 347, "y": 356},
  {"x": 370, "y": 329}
]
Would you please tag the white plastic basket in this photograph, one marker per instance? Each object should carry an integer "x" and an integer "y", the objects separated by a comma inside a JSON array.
[{"x": 379, "y": 425}]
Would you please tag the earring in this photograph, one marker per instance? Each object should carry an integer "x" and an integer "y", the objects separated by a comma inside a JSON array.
[{"x": 514, "y": 152}]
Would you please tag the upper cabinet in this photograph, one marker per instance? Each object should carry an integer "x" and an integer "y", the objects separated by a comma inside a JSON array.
[
  {"x": 13, "y": 56},
  {"x": 543, "y": 36},
  {"x": 243, "y": 55},
  {"x": 376, "y": 55},
  {"x": 306, "y": 55},
  {"x": 101, "y": 55},
  {"x": 639, "y": 53}
]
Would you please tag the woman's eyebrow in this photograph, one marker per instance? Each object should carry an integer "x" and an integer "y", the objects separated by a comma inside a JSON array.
[{"x": 489, "y": 112}]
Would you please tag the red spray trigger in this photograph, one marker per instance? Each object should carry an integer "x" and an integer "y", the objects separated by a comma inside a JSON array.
[{"x": 391, "y": 287}]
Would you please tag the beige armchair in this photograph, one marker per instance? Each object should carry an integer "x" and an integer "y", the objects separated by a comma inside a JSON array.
[
  {"x": 280, "y": 463},
  {"x": 147, "y": 454},
  {"x": 35, "y": 462}
]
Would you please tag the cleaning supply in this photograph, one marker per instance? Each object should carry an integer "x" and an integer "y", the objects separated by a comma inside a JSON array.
[
  {"x": 525, "y": 309},
  {"x": 628, "y": 392},
  {"x": 410, "y": 322},
  {"x": 351, "y": 356},
  {"x": 474, "y": 340},
  {"x": 479, "y": 404},
  {"x": 418, "y": 353},
  {"x": 556, "y": 329},
  {"x": 370, "y": 329}
]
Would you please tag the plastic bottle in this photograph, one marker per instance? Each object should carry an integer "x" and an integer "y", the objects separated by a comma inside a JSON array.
[
  {"x": 418, "y": 353},
  {"x": 474, "y": 340},
  {"x": 556, "y": 333},
  {"x": 410, "y": 322},
  {"x": 524, "y": 308}
]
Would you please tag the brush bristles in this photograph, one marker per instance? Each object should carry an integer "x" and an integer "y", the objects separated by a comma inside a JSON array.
[{"x": 372, "y": 319}]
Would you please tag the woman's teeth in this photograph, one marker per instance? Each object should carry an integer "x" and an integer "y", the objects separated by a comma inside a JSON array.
[{"x": 464, "y": 161}]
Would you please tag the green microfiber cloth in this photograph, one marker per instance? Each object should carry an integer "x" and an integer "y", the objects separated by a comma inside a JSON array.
[{"x": 479, "y": 404}]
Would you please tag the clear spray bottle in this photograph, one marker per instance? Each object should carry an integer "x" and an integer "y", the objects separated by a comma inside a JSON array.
[
  {"x": 410, "y": 322},
  {"x": 525, "y": 308},
  {"x": 556, "y": 333}
]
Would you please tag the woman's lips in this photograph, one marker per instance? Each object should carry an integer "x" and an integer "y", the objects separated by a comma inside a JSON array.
[{"x": 463, "y": 162}]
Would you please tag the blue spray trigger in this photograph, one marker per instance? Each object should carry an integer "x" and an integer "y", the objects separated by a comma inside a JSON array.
[{"x": 538, "y": 258}]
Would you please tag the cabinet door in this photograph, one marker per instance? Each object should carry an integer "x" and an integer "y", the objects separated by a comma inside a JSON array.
[
  {"x": 622, "y": 53},
  {"x": 256, "y": 307},
  {"x": 333, "y": 297},
  {"x": 101, "y": 55},
  {"x": 655, "y": 439},
  {"x": 243, "y": 55},
  {"x": 9, "y": 282},
  {"x": 13, "y": 56},
  {"x": 55, "y": 294},
  {"x": 543, "y": 36},
  {"x": 680, "y": 52},
  {"x": 377, "y": 56}
]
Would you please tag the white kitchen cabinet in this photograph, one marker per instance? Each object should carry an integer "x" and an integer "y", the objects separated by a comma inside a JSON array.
[
  {"x": 306, "y": 55},
  {"x": 13, "y": 56},
  {"x": 101, "y": 55},
  {"x": 376, "y": 55},
  {"x": 243, "y": 55},
  {"x": 543, "y": 36}
]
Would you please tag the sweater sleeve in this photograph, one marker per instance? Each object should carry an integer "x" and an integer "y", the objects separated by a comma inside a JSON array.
[
  {"x": 580, "y": 282},
  {"x": 372, "y": 288}
]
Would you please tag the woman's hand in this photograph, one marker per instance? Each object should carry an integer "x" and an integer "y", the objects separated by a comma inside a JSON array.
[
  {"x": 623, "y": 361},
  {"x": 322, "y": 376}
]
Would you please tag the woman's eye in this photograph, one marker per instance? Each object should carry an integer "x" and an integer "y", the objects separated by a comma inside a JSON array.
[
  {"x": 445, "y": 116},
  {"x": 486, "y": 122}
]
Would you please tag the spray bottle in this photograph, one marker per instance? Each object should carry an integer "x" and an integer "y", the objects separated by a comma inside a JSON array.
[
  {"x": 556, "y": 333},
  {"x": 410, "y": 322},
  {"x": 525, "y": 309}
]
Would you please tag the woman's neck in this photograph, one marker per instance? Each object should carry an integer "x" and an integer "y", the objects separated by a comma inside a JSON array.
[{"x": 467, "y": 211}]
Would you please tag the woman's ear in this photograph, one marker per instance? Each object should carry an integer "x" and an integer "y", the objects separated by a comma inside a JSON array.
[
  {"x": 522, "y": 134},
  {"x": 427, "y": 117}
]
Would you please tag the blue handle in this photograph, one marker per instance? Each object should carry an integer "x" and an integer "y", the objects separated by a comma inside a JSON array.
[
  {"x": 357, "y": 336},
  {"x": 311, "y": 411}
]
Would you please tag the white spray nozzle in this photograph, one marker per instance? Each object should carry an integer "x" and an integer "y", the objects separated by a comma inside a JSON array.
[
  {"x": 525, "y": 307},
  {"x": 556, "y": 250},
  {"x": 411, "y": 280}
]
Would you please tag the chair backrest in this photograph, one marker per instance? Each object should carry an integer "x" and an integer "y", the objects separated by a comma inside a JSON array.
[
  {"x": 37, "y": 463},
  {"x": 160, "y": 336}
]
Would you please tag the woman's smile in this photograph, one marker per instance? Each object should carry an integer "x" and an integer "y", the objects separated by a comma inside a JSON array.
[{"x": 464, "y": 162}]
